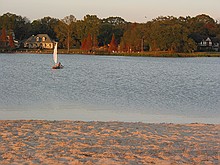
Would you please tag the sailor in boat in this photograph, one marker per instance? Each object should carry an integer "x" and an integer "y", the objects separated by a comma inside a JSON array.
[{"x": 58, "y": 66}]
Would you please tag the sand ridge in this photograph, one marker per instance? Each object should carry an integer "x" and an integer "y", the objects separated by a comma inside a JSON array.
[{"x": 77, "y": 142}]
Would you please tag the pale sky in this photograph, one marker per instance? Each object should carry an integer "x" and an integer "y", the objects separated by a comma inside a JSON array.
[{"x": 131, "y": 10}]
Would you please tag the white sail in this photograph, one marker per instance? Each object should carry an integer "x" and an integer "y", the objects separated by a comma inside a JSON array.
[{"x": 55, "y": 57}]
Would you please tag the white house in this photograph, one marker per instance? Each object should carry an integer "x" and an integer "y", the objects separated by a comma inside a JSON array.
[{"x": 209, "y": 44}]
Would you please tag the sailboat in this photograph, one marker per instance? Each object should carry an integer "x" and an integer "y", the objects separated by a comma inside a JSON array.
[{"x": 55, "y": 58}]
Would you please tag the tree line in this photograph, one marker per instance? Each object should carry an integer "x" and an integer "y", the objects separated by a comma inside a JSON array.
[{"x": 164, "y": 33}]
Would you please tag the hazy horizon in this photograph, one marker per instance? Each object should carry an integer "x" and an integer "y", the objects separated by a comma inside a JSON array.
[{"x": 132, "y": 11}]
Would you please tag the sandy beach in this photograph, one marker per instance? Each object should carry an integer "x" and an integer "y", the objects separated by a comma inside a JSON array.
[{"x": 77, "y": 142}]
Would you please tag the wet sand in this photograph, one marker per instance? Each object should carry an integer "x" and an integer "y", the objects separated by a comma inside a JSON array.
[{"x": 76, "y": 142}]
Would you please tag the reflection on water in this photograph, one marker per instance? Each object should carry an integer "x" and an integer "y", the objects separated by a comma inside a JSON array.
[{"x": 110, "y": 88}]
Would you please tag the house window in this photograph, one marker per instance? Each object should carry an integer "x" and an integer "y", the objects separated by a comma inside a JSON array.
[{"x": 44, "y": 38}]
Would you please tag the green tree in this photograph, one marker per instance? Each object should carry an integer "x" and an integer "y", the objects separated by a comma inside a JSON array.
[
  {"x": 89, "y": 25},
  {"x": 132, "y": 38},
  {"x": 19, "y": 25},
  {"x": 106, "y": 31},
  {"x": 169, "y": 34},
  {"x": 110, "y": 26},
  {"x": 202, "y": 26},
  {"x": 45, "y": 25},
  {"x": 66, "y": 31}
]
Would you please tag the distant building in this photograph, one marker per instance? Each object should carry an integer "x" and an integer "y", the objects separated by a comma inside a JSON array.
[
  {"x": 40, "y": 41},
  {"x": 209, "y": 44}
]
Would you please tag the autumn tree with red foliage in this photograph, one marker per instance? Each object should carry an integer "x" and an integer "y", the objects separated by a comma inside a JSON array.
[
  {"x": 113, "y": 45},
  {"x": 83, "y": 44},
  {"x": 3, "y": 38},
  {"x": 11, "y": 41},
  {"x": 87, "y": 43}
]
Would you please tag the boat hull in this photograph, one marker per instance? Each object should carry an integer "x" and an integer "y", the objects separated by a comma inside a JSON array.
[{"x": 57, "y": 67}]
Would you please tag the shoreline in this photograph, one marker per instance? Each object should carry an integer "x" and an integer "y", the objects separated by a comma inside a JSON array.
[
  {"x": 164, "y": 54},
  {"x": 95, "y": 142}
]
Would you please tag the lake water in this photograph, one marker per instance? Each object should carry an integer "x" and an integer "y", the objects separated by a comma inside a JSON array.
[{"x": 109, "y": 88}]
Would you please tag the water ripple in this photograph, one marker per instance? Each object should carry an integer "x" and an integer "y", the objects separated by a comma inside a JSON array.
[{"x": 181, "y": 86}]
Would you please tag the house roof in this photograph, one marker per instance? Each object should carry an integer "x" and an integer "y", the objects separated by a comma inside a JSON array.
[
  {"x": 40, "y": 38},
  {"x": 31, "y": 39}
]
